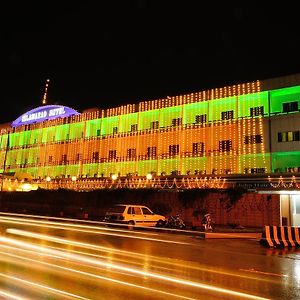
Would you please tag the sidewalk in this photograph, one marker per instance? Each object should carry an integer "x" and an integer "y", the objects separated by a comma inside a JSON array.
[{"x": 227, "y": 232}]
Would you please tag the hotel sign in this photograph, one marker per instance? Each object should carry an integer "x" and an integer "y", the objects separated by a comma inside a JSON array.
[{"x": 42, "y": 113}]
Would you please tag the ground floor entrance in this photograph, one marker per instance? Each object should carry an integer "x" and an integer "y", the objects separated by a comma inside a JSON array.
[{"x": 290, "y": 209}]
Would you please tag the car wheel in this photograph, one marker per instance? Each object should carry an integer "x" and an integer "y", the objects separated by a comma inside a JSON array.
[
  {"x": 131, "y": 225},
  {"x": 160, "y": 223}
]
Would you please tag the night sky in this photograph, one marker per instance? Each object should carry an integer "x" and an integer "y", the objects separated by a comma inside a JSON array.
[{"x": 109, "y": 53}]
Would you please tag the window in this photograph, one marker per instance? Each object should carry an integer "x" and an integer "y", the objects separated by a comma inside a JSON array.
[
  {"x": 96, "y": 156},
  {"x": 296, "y": 204},
  {"x": 198, "y": 148},
  {"x": 225, "y": 145},
  {"x": 199, "y": 119},
  {"x": 227, "y": 115},
  {"x": 133, "y": 127},
  {"x": 290, "y": 106},
  {"x": 258, "y": 170},
  {"x": 253, "y": 139},
  {"x": 146, "y": 211},
  {"x": 281, "y": 137},
  {"x": 64, "y": 158},
  {"x": 289, "y": 136},
  {"x": 256, "y": 111},
  {"x": 154, "y": 125},
  {"x": 115, "y": 130},
  {"x": 134, "y": 210},
  {"x": 131, "y": 153},
  {"x": 78, "y": 157},
  {"x": 50, "y": 159},
  {"x": 296, "y": 136},
  {"x": 174, "y": 149},
  {"x": 112, "y": 154},
  {"x": 98, "y": 132},
  {"x": 151, "y": 151},
  {"x": 177, "y": 122}
]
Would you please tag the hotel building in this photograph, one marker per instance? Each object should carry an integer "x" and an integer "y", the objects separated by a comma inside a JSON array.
[
  {"x": 247, "y": 128},
  {"x": 243, "y": 131}
]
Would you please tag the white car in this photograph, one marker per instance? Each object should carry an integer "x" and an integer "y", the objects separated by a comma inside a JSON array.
[{"x": 133, "y": 215}]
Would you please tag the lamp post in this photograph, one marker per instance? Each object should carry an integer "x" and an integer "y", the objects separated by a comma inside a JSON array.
[
  {"x": 48, "y": 179},
  {"x": 4, "y": 161},
  {"x": 74, "y": 178},
  {"x": 149, "y": 178},
  {"x": 113, "y": 179}
]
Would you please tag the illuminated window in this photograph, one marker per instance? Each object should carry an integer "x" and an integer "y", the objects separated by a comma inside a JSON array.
[
  {"x": 199, "y": 119},
  {"x": 151, "y": 151},
  {"x": 174, "y": 149},
  {"x": 112, "y": 154},
  {"x": 154, "y": 125},
  {"x": 296, "y": 200},
  {"x": 177, "y": 122},
  {"x": 289, "y": 136},
  {"x": 256, "y": 111},
  {"x": 133, "y": 127},
  {"x": 225, "y": 145},
  {"x": 198, "y": 148},
  {"x": 253, "y": 139},
  {"x": 282, "y": 137},
  {"x": 290, "y": 106},
  {"x": 131, "y": 153},
  {"x": 227, "y": 115}
]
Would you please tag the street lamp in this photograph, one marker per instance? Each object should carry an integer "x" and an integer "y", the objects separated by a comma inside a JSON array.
[
  {"x": 149, "y": 178},
  {"x": 48, "y": 179},
  {"x": 74, "y": 178},
  {"x": 114, "y": 177}
]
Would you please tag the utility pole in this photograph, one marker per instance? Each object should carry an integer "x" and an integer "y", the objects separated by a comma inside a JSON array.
[{"x": 4, "y": 166}]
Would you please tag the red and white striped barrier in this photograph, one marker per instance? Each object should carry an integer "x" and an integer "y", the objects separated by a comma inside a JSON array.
[{"x": 280, "y": 236}]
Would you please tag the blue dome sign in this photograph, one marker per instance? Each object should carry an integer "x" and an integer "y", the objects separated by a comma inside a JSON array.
[{"x": 42, "y": 113}]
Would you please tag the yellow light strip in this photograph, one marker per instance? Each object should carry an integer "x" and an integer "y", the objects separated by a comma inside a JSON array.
[{"x": 82, "y": 259}]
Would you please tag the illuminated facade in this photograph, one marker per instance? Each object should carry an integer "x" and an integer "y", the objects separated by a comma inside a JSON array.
[{"x": 241, "y": 129}]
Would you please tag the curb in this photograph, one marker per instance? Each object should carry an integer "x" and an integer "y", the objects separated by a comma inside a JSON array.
[{"x": 231, "y": 235}]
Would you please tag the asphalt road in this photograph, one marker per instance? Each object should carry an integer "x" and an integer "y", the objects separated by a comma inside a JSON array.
[{"x": 45, "y": 258}]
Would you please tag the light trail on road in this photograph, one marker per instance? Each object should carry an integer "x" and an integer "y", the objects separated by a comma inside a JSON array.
[
  {"x": 86, "y": 260},
  {"x": 127, "y": 254},
  {"x": 102, "y": 263},
  {"x": 86, "y": 229},
  {"x": 42, "y": 287}
]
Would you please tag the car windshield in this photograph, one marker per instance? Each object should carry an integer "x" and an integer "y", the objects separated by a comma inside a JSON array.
[{"x": 117, "y": 209}]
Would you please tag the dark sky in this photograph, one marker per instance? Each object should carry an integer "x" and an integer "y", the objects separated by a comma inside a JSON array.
[{"x": 108, "y": 53}]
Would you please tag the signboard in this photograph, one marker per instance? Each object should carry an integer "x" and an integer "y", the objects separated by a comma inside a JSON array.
[{"x": 42, "y": 113}]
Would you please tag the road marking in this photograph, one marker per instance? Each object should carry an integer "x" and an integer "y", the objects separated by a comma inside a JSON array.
[{"x": 264, "y": 273}]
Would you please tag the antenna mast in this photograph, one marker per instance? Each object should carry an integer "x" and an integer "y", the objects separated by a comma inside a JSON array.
[{"x": 45, "y": 97}]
